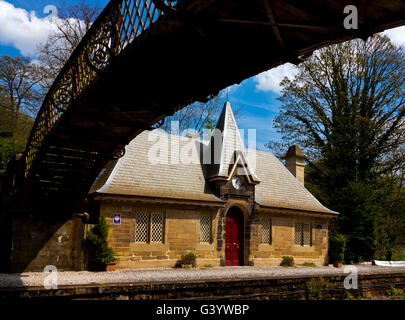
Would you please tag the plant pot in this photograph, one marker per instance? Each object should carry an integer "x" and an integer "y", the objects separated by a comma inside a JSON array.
[
  {"x": 337, "y": 264},
  {"x": 111, "y": 266}
]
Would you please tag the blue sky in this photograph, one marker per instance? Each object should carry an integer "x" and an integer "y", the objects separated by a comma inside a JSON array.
[{"x": 23, "y": 25}]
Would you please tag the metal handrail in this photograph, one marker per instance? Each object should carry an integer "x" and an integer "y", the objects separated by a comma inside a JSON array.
[{"x": 119, "y": 24}]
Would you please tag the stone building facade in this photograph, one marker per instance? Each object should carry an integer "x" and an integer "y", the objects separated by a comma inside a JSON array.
[{"x": 227, "y": 204}]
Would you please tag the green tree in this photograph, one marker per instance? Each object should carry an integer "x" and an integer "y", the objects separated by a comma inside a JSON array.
[
  {"x": 346, "y": 109},
  {"x": 8, "y": 150},
  {"x": 23, "y": 84},
  {"x": 20, "y": 99},
  {"x": 391, "y": 226},
  {"x": 98, "y": 239},
  {"x": 20, "y": 89}
]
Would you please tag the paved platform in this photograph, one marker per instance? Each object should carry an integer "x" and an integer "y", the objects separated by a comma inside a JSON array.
[{"x": 171, "y": 275}]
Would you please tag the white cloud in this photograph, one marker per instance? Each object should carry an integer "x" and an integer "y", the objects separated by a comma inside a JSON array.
[
  {"x": 22, "y": 29},
  {"x": 270, "y": 80},
  {"x": 397, "y": 35}
]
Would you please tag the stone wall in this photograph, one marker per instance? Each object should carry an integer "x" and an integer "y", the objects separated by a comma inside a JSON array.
[
  {"x": 291, "y": 288},
  {"x": 37, "y": 243},
  {"x": 181, "y": 234},
  {"x": 283, "y": 226}
]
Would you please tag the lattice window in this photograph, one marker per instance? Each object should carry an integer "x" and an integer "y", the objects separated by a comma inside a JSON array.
[
  {"x": 142, "y": 227},
  {"x": 156, "y": 227},
  {"x": 302, "y": 235},
  {"x": 205, "y": 229},
  {"x": 298, "y": 234},
  {"x": 307, "y": 235},
  {"x": 266, "y": 231}
]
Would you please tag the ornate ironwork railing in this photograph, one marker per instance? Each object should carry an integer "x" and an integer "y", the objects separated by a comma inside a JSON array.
[{"x": 119, "y": 24}]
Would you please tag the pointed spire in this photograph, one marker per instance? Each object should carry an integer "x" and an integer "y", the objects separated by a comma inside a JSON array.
[{"x": 226, "y": 143}]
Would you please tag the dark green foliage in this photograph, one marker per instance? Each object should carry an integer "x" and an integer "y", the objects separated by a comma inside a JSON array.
[
  {"x": 360, "y": 226},
  {"x": 395, "y": 293},
  {"x": 188, "y": 259},
  {"x": 337, "y": 247},
  {"x": 12, "y": 138},
  {"x": 287, "y": 261},
  {"x": 314, "y": 289},
  {"x": 97, "y": 237},
  {"x": 398, "y": 254},
  {"x": 391, "y": 223},
  {"x": 8, "y": 151}
]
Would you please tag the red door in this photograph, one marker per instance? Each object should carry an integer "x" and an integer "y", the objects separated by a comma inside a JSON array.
[{"x": 234, "y": 238}]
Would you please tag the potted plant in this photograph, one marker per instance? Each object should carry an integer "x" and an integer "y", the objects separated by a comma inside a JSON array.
[
  {"x": 337, "y": 247},
  {"x": 103, "y": 258},
  {"x": 287, "y": 261},
  {"x": 187, "y": 261}
]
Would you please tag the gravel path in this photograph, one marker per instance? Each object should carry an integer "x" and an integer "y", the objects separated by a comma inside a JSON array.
[{"x": 169, "y": 274}]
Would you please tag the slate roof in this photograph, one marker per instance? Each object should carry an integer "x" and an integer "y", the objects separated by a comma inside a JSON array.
[
  {"x": 151, "y": 167},
  {"x": 279, "y": 187},
  {"x": 145, "y": 170}
]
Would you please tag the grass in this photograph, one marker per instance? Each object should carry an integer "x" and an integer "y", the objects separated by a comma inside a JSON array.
[
  {"x": 349, "y": 296},
  {"x": 307, "y": 264}
]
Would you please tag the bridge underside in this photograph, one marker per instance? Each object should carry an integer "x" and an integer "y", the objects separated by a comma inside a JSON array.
[{"x": 179, "y": 59}]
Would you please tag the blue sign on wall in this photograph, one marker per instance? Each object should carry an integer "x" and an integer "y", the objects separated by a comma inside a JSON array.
[{"x": 117, "y": 218}]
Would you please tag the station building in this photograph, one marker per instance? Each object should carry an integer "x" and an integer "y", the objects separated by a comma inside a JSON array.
[{"x": 228, "y": 204}]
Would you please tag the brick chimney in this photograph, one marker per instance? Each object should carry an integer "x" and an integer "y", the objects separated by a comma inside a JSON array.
[{"x": 294, "y": 162}]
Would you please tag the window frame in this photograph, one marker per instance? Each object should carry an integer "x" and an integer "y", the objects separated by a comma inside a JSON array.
[
  {"x": 149, "y": 227},
  {"x": 210, "y": 229},
  {"x": 302, "y": 240},
  {"x": 151, "y": 230},
  {"x": 269, "y": 220}
]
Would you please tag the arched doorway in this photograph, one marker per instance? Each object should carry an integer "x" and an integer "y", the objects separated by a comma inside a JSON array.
[{"x": 234, "y": 228}]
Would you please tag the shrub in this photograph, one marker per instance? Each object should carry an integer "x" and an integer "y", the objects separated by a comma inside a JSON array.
[
  {"x": 188, "y": 259},
  {"x": 337, "y": 247},
  {"x": 314, "y": 289},
  {"x": 287, "y": 261},
  {"x": 97, "y": 238},
  {"x": 395, "y": 293}
]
